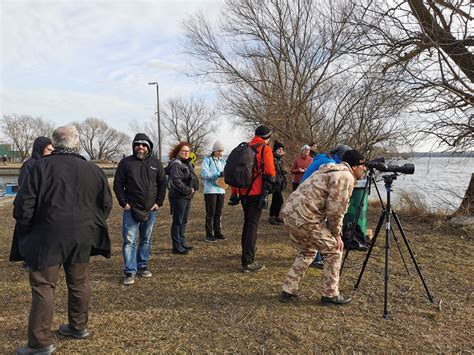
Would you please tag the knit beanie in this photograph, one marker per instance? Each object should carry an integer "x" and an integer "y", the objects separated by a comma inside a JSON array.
[
  {"x": 263, "y": 132},
  {"x": 218, "y": 145},
  {"x": 353, "y": 158},
  {"x": 277, "y": 145},
  {"x": 340, "y": 149}
]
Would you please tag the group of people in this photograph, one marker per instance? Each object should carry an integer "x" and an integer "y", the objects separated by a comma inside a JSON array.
[{"x": 64, "y": 201}]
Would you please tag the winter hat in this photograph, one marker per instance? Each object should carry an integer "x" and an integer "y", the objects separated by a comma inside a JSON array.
[
  {"x": 353, "y": 158},
  {"x": 218, "y": 145},
  {"x": 340, "y": 149},
  {"x": 305, "y": 147},
  {"x": 277, "y": 145},
  {"x": 263, "y": 132},
  {"x": 143, "y": 139}
]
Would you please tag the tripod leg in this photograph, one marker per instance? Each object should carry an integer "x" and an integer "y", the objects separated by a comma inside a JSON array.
[
  {"x": 407, "y": 243},
  {"x": 387, "y": 254},
  {"x": 377, "y": 230},
  {"x": 399, "y": 250}
]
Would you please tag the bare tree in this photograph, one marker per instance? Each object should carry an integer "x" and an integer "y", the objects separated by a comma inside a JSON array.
[
  {"x": 425, "y": 46},
  {"x": 192, "y": 120},
  {"x": 286, "y": 64},
  {"x": 100, "y": 141},
  {"x": 22, "y": 130}
]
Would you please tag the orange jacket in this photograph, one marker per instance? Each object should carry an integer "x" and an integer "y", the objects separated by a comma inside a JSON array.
[{"x": 268, "y": 167}]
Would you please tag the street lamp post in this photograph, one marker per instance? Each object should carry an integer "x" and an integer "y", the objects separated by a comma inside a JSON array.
[{"x": 158, "y": 116}]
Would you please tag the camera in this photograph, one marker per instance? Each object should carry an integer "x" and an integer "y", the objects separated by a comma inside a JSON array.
[{"x": 379, "y": 164}]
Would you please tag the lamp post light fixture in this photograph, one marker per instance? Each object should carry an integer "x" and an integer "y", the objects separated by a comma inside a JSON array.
[{"x": 158, "y": 116}]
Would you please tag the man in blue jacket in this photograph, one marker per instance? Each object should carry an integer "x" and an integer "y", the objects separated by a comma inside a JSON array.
[{"x": 333, "y": 156}]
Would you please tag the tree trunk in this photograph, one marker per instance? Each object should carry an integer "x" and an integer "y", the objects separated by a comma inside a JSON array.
[{"x": 467, "y": 204}]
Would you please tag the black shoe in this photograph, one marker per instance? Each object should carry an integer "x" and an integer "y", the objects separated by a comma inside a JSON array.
[
  {"x": 286, "y": 297},
  {"x": 279, "y": 220},
  {"x": 219, "y": 236},
  {"x": 181, "y": 252},
  {"x": 211, "y": 239},
  {"x": 317, "y": 264},
  {"x": 337, "y": 300},
  {"x": 253, "y": 267},
  {"x": 27, "y": 350},
  {"x": 188, "y": 247},
  {"x": 67, "y": 331}
]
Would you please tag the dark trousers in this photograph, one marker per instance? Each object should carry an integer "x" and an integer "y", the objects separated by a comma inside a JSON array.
[
  {"x": 214, "y": 204},
  {"x": 249, "y": 233},
  {"x": 295, "y": 185},
  {"x": 277, "y": 202},
  {"x": 180, "y": 210},
  {"x": 43, "y": 284}
]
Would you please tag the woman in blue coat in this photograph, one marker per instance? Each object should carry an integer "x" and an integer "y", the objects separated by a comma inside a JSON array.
[{"x": 212, "y": 169}]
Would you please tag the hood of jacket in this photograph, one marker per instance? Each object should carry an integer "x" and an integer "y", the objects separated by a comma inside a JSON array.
[
  {"x": 38, "y": 146},
  {"x": 142, "y": 137}
]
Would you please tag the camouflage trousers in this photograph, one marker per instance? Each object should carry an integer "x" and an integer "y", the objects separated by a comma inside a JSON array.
[{"x": 310, "y": 238}]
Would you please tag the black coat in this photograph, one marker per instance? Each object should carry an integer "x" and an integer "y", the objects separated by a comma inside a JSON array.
[
  {"x": 61, "y": 211},
  {"x": 182, "y": 179},
  {"x": 281, "y": 179},
  {"x": 140, "y": 183}
]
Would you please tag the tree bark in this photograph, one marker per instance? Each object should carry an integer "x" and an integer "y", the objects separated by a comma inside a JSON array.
[{"x": 467, "y": 204}]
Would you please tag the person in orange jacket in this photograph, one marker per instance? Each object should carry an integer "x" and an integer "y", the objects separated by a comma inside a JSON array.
[{"x": 251, "y": 198}]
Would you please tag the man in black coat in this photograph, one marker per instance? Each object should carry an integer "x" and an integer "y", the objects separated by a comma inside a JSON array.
[
  {"x": 140, "y": 187},
  {"x": 62, "y": 207}
]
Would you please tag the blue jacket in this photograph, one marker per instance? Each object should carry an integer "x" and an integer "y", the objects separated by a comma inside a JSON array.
[
  {"x": 210, "y": 171},
  {"x": 319, "y": 160}
]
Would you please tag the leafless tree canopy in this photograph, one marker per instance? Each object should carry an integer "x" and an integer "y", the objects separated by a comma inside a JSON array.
[
  {"x": 100, "y": 141},
  {"x": 287, "y": 64},
  {"x": 22, "y": 130},
  {"x": 426, "y": 46},
  {"x": 189, "y": 120}
]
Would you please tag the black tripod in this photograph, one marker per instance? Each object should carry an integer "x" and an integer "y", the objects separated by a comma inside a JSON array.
[
  {"x": 370, "y": 181},
  {"x": 386, "y": 215}
]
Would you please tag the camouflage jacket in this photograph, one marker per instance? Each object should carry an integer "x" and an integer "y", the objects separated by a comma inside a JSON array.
[{"x": 324, "y": 195}]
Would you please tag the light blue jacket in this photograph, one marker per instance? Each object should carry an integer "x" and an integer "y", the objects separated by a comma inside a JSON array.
[{"x": 210, "y": 171}]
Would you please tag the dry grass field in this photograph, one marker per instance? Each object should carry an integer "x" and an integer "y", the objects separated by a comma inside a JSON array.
[{"x": 202, "y": 303}]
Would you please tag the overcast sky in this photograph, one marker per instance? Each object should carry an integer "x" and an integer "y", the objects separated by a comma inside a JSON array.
[{"x": 68, "y": 60}]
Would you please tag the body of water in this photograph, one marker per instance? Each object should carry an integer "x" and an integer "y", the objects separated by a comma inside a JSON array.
[{"x": 440, "y": 182}]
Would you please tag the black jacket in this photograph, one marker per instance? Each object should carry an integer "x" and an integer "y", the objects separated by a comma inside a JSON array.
[
  {"x": 182, "y": 179},
  {"x": 61, "y": 211},
  {"x": 38, "y": 146},
  {"x": 281, "y": 180},
  {"x": 140, "y": 182}
]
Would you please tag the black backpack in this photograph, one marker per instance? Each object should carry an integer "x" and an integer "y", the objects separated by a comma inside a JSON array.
[
  {"x": 239, "y": 167},
  {"x": 356, "y": 240}
]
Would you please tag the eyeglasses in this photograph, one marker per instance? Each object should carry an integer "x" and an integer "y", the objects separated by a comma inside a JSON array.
[
  {"x": 140, "y": 145},
  {"x": 185, "y": 151}
]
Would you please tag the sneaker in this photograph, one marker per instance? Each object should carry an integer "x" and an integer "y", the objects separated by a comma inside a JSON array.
[
  {"x": 253, "y": 267},
  {"x": 46, "y": 350},
  {"x": 143, "y": 272},
  {"x": 336, "y": 300},
  {"x": 24, "y": 267},
  {"x": 188, "y": 247},
  {"x": 220, "y": 236},
  {"x": 129, "y": 279},
  {"x": 286, "y": 297},
  {"x": 211, "y": 239},
  {"x": 67, "y": 331},
  {"x": 317, "y": 264},
  {"x": 180, "y": 252}
]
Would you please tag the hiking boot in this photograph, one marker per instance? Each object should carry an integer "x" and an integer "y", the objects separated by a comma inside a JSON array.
[
  {"x": 219, "y": 235},
  {"x": 280, "y": 220},
  {"x": 129, "y": 279},
  {"x": 180, "y": 252},
  {"x": 336, "y": 300},
  {"x": 188, "y": 247},
  {"x": 286, "y": 297},
  {"x": 67, "y": 331},
  {"x": 24, "y": 267},
  {"x": 253, "y": 267},
  {"x": 143, "y": 272},
  {"x": 211, "y": 239},
  {"x": 46, "y": 350},
  {"x": 317, "y": 264},
  {"x": 272, "y": 221}
]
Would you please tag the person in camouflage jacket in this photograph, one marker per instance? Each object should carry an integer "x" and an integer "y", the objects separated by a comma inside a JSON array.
[{"x": 313, "y": 215}]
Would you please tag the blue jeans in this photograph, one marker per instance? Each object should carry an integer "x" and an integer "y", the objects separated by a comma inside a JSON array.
[
  {"x": 131, "y": 229},
  {"x": 180, "y": 211}
]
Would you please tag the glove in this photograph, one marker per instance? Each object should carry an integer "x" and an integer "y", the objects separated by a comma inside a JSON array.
[{"x": 233, "y": 200}]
